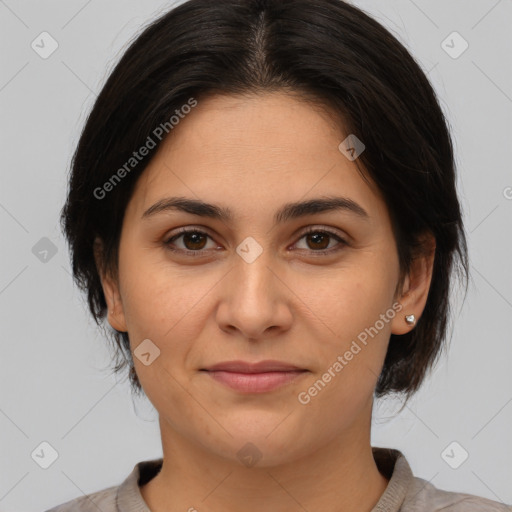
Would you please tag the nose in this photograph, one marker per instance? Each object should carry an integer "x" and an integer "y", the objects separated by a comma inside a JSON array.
[{"x": 255, "y": 298}]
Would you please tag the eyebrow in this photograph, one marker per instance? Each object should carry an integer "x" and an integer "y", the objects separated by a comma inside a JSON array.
[{"x": 287, "y": 212}]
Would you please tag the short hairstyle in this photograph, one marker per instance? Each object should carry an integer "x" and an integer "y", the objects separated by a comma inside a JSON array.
[{"x": 327, "y": 52}]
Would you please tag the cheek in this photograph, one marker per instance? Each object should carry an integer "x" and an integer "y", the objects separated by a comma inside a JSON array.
[
  {"x": 170, "y": 307},
  {"x": 350, "y": 315},
  {"x": 157, "y": 298},
  {"x": 347, "y": 300},
  {"x": 165, "y": 309}
]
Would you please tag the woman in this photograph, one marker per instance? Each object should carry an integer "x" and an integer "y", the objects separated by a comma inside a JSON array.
[{"x": 263, "y": 205}]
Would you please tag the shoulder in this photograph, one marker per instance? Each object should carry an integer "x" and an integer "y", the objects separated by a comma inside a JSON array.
[
  {"x": 125, "y": 496},
  {"x": 408, "y": 493},
  {"x": 422, "y": 495},
  {"x": 104, "y": 500}
]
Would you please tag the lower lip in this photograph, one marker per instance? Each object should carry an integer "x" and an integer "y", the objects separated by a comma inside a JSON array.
[{"x": 255, "y": 382}]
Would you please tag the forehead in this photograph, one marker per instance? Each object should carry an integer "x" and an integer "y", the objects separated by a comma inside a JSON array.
[{"x": 258, "y": 150}]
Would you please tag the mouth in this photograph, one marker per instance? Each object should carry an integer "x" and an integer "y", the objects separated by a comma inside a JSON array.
[{"x": 259, "y": 377}]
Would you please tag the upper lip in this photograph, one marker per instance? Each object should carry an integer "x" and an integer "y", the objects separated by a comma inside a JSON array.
[{"x": 259, "y": 367}]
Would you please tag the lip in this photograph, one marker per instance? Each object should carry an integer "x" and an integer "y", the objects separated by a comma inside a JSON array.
[
  {"x": 267, "y": 365},
  {"x": 260, "y": 377}
]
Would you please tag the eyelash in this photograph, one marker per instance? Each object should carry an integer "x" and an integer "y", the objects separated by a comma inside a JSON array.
[{"x": 187, "y": 252}]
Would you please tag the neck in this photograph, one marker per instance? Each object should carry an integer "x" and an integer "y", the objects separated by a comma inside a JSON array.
[{"x": 340, "y": 476}]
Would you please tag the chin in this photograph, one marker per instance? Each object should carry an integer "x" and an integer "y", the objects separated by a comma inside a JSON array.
[{"x": 262, "y": 445}]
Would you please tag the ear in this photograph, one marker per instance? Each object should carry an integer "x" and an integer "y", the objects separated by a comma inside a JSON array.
[
  {"x": 416, "y": 286},
  {"x": 110, "y": 285}
]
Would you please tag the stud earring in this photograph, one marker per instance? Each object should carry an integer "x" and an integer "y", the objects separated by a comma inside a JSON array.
[{"x": 410, "y": 319}]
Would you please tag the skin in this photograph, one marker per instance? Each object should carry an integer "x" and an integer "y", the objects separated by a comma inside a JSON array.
[{"x": 253, "y": 154}]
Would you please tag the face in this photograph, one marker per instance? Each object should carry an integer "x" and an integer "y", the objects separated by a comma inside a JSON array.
[{"x": 313, "y": 288}]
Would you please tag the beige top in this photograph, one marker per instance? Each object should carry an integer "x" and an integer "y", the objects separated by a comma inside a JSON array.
[{"x": 404, "y": 493}]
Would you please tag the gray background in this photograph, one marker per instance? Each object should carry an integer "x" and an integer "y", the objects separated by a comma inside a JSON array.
[{"x": 55, "y": 385}]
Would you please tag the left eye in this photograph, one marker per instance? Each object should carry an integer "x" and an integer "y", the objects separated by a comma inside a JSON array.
[
  {"x": 319, "y": 238},
  {"x": 194, "y": 241}
]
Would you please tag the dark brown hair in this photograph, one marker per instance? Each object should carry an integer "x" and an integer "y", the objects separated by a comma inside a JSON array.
[{"x": 326, "y": 50}]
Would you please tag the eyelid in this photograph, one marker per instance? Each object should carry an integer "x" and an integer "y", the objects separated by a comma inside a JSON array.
[
  {"x": 342, "y": 239},
  {"x": 184, "y": 231},
  {"x": 332, "y": 232},
  {"x": 324, "y": 229}
]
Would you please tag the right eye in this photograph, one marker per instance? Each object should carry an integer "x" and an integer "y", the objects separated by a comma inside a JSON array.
[{"x": 193, "y": 240}]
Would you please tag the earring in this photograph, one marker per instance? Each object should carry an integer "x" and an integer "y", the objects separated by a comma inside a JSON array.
[{"x": 410, "y": 319}]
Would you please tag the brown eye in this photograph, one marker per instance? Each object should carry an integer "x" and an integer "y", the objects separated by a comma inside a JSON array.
[
  {"x": 318, "y": 240},
  {"x": 193, "y": 241}
]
